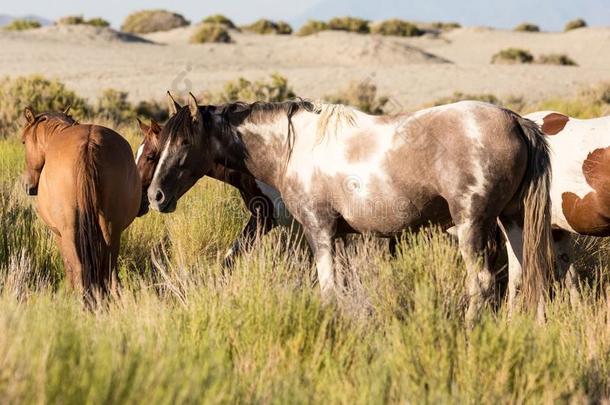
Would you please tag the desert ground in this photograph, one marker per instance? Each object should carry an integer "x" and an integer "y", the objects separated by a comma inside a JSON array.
[{"x": 411, "y": 71}]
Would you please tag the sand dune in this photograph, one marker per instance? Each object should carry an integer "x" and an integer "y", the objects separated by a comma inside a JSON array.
[{"x": 412, "y": 71}]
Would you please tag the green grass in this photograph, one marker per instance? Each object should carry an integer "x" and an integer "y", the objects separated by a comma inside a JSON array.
[{"x": 184, "y": 331}]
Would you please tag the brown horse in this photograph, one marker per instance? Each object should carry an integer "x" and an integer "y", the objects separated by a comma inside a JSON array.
[
  {"x": 340, "y": 170},
  {"x": 266, "y": 208},
  {"x": 88, "y": 192}
]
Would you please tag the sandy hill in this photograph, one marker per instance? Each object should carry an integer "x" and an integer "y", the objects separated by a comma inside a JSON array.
[{"x": 411, "y": 71}]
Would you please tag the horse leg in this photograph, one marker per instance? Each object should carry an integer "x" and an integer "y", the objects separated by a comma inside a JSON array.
[
  {"x": 476, "y": 247},
  {"x": 513, "y": 234},
  {"x": 322, "y": 244},
  {"x": 566, "y": 272},
  {"x": 72, "y": 263},
  {"x": 115, "y": 247},
  {"x": 255, "y": 227}
]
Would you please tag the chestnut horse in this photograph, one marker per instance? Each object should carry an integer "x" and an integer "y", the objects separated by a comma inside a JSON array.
[
  {"x": 342, "y": 171},
  {"x": 88, "y": 192},
  {"x": 580, "y": 187}
]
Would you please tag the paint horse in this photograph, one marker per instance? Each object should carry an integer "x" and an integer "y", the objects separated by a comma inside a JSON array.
[
  {"x": 580, "y": 187},
  {"x": 342, "y": 171},
  {"x": 88, "y": 192},
  {"x": 264, "y": 203}
]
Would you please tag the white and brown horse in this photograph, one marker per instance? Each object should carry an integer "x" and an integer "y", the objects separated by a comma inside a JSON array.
[
  {"x": 340, "y": 170},
  {"x": 88, "y": 192},
  {"x": 580, "y": 188}
]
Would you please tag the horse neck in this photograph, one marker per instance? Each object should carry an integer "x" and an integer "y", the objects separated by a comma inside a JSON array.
[
  {"x": 46, "y": 132},
  {"x": 266, "y": 144}
]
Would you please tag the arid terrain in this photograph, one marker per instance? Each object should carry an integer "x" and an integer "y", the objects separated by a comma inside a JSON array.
[{"x": 411, "y": 71}]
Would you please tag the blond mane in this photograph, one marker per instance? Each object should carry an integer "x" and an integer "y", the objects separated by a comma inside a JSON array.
[{"x": 333, "y": 118}]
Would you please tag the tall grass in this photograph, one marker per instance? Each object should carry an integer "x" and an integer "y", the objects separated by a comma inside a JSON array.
[{"x": 183, "y": 330}]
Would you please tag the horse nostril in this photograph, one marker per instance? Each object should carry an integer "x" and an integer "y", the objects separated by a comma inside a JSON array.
[{"x": 159, "y": 196}]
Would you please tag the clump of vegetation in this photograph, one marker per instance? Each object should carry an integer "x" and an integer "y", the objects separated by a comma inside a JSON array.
[
  {"x": 80, "y": 20},
  {"x": 21, "y": 25},
  {"x": 445, "y": 26},
  {"x": 459, "y": 96},
  {"x": 396, "y": 27},
  {"x": 147, "y": 21},
  {"x": 113, "y": 105},
  {"x": 349, "y": 24},
  {"x": 219, "y": 19},
  {"x": 211, "y": 32},
  {"x": 152, "y": 109},
  {"x": 275, "y": 89},
  {"x": 556, "y": 59},
  {"x": 39, "y": 93},
  {"x": 575, "y": 24},
  {"x": 362, "y": 95},
  {"x": 512, "y": 56},
  {"x": 312, "y": 27},
  {"x": 264, "y": 26},
  {"x": 527, "y": 27}
]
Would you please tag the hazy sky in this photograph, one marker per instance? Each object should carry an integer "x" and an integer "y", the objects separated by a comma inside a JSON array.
[{"x": 241, "y": 11}]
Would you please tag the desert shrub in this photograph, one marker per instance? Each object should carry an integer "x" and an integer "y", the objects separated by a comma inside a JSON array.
[
  {"x": 219, "y": 19},
  {"x": 273, "y": 90},
  {"x": 599, "y": 93},
  {"x": 459, "y": 96},
  {"x": 527, "y": 27},
  {"x": 396, "y": 27},
  {"x": 113, "y": 105},
  {"x": 445, "y": 26},
  {"x": 556, "y": 59},
  {"x": 575, "y": 24},
  {"x": 312, "y": 27},
  {"x": 39, "y": 93},
  {"x": 263, "y": 26},
  {"x": 21, "y": 25},
  {"x": 349, "y": 24},
  {"x": 513, "y": 55},
  {"x": 362, "y": 95},
  {"x": 80, "y": 20},
  {"x": 152, "y": 109},
  {"x": 143, "y": 22},
  {"x": 210, "y": 32}
]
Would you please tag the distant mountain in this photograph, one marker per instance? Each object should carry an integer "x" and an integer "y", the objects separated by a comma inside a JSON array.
[
  {"x": 5, "y": 19},
  {"x": 549, "y": 14}
]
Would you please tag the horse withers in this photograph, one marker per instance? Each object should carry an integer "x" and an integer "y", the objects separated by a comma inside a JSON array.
[
  {"x": 342, "y": 171},
  {"x": 88, "y": 190}
]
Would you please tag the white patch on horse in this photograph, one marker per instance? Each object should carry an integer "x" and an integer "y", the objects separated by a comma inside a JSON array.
[
  {"x": 139, "y": 153},
  {"x": 569, "y": 149},
  {"x": 163, "y": 158},
  {"x": 473, "y": 131}
]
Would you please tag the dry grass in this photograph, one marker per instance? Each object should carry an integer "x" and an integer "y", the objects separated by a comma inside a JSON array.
[
  {"x": 147, "y": 21},
  {"x": 556, "y": 59},
  {"x": 527, "y": 27},
  {"x": 21, "y": 25},
  {"x": 264, "y": 27},
  {"x": 211, "y": 33},
  {"x": 398, "y": 28},
  {"x": 575, "y": 24},
  {"x": 362, "y": 95},
  {"x": 512, "y": 56}
]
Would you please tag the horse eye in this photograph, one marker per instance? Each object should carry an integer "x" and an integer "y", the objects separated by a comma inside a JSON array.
[{"x": 150, "y": 158}]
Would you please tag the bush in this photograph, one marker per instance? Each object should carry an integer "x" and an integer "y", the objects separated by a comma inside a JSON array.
[
  {"x": 219, "y": 19},
  {"x": 144, "y": 22},
  {"x": 39, "y": 93},
  {"x": 263, "y": 26},
  {"x": 599, "y": 93},
  {"x": 312, "y": 27},
  {"x": 113, "y": 105},
  {"x": 276, "y": 89},
  {"x": 513, "y": 55},
  {"x": 445, "y": 26},
  {"x": 575, "y": 24},
  {"x": 80, "y": 20},
  {"x": 211, "y": 32},
  {"x": 362, "y": 95},
  {"x": 21, "y": 25},
  {"x": 527, "y": 27},
  {"x": 152, "y": 109},
  {"x": 397, "y": 28},
  {"x": 459, "y": 96},
  {"x": 350, "y": 24},
  {"x": 556, "y": 59}
]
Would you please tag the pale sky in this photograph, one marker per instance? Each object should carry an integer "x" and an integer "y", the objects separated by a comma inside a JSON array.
[{"x": 241, "y": 11}]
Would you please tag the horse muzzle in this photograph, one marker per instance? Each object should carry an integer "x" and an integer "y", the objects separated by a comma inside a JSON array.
[{"x": 31, "y": 190}]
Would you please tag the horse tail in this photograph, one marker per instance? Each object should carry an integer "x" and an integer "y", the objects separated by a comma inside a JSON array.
[
  {"x": 90, "y": 245},
  {"x": 538, "y": 255}
]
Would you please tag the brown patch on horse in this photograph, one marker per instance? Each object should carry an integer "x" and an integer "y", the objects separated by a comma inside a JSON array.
[
  {"x": 359, "y": 148},
  {"x": 554, "y": 123},
  {"x": 590, "y": 215}
]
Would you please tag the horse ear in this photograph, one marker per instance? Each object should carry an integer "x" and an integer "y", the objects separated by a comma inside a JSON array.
[
  {"x": 172, "y": 105},
  {"x": 143, "y": 127},
  {"x": 67, "y": 109},
  {"x": 154, "y": 126},
  {"x": 29, "y": 114},
  {"x": 194, "y": 108}
]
